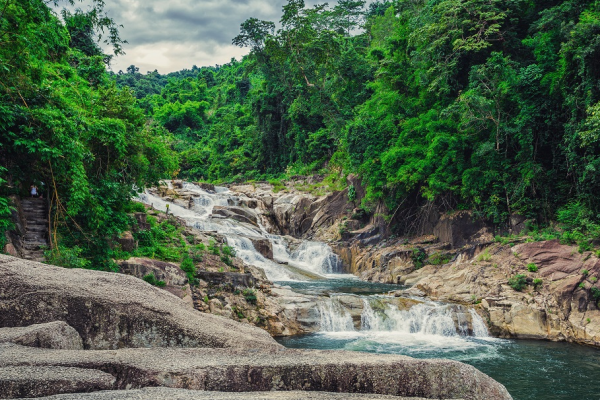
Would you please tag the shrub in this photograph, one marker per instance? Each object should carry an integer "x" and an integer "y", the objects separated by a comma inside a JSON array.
[
  {"x": 187, "y": 265},
  {"x": 228, "y": 251},
  {"x": 418, "y": 257},
  {"x": 250, "y": 296},
  {"x": 582, "y": 285},
  {"x": 67, "y": 257},
  {"x": 596, "y": 295},
  {"x": 151, "y": 279},
  {"x": 531, "y": 267},
  {"x": 537, "y": 282},
  {"x": 518, "y": 282},
  {"x": 585, "y": 272},
  {"x": 351, "y": 193},
  {"x": 593, "y": 279},
  {"x": 213, "y": 248}
]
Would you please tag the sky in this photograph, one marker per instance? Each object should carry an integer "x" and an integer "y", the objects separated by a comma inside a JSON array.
[{"x": 175, "y": 34}]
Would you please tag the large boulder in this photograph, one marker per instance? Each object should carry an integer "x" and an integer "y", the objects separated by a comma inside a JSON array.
[
  {"x": 53, "y": 335},
  {"x": 26, "y": 381},
  {"x": 161, "y": 393},
  {"x": 462, "y": 228},
  {"x": 230, "y": 370},
  {"x": 112, "y": 311}
]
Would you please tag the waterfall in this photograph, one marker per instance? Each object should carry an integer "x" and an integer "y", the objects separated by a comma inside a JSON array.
[
  {"x": 334, "y": 317},
  {"x": 309, "y": 260},
  {"x": 421, "y": 319}
]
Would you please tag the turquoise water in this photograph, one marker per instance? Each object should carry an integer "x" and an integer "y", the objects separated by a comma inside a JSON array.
[{"x": 530, "y": 370}]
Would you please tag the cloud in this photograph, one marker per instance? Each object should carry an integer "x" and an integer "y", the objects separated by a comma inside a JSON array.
[{"x": 177, "y": 34}]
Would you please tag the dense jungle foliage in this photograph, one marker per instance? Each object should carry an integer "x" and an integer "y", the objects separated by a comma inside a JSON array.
[
  {"x": 487, "y": 105},
  {"x": 461, "y": 104},
  {"x": 67, "y": 128}
]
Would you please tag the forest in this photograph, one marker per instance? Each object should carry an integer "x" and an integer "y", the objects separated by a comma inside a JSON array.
[{"x": 486, "y": 105}]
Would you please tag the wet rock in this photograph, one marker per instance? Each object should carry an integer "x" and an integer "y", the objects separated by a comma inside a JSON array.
[
  {"x": 209, "y": 187},
  {"x": 263, "y": 246},
  {"x": 53, "y": 335},
  {"x": 236, "y": 213},
  {"x": 112, "y": 311},
  {"x": 229, "y": 370},
  {"x": 26, "y": 381}
]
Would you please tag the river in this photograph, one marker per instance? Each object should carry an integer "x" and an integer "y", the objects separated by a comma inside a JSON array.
[{"x": 530, "y": 370}]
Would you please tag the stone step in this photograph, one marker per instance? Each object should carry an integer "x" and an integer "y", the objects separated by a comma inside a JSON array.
[{"x": 37, "y": 228}]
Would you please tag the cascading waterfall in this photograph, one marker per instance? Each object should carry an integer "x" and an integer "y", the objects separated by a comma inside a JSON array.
[
  {"x": 316, "y": 259},
  {"x": 421, "y": 319}
]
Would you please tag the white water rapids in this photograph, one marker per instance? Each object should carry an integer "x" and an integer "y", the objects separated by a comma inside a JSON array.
[{"x": 381, "y": 322}]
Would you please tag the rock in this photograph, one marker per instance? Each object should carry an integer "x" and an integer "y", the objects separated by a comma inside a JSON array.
[
  {"x": 11, "y": 250},
  {"x": 232, "y": 370},
  {"x": 142, "y": 221},
  {"x": 263, "y": 246},
  {"x": 25, "y": 381},
  {"x": 240, "y": 214},
  {"x": 53, "y": 335},
  {"x": 233, "y": 279},
  {"x": 112, "y": 311},
  {"x": 162, "y": 393},
  {"x": 209, "y": 187},
  {"x": 175, "y": 279},
  {"x": 462, "y": 228},
  {"x": 127, "y": 242}
]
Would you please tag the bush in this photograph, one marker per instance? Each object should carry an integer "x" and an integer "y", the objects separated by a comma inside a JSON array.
[
  {"x": 250, "y": 296},
  {"x": 213, "y": 248},
  {"x": 518, "y": 282},
  {"x": 596, "y": 294},
  {"x": 151, "y": 279},
  {"x": 438, "y": 259},
  {"x": 187, "y": 265},
  {"x": 67, "y": 257},
  {"x": 531, "y": 267},
  {"x": 351, "y": 193},
  {"x": 585, "y": 272},
  {"x": 418, "y": 257},
  {"x": 228, "y": 251},
  {"x": 537, "y": 282}
]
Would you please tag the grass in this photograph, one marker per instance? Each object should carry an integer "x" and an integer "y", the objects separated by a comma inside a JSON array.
[{"x": 485, "y": 256}]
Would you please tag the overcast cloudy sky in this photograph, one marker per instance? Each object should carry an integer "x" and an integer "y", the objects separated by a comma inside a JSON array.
[{"x": 169, "y": 35}]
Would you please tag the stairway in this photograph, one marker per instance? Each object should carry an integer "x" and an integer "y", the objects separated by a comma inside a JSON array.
[{"x": 36, "y": 234}]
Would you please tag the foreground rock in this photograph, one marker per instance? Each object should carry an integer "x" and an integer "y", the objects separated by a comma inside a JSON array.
[
  {"x": 180, "y": 394},
  {"x": 248, "y": 370},
  {"x": 111, "y": 311},
  {"x": 53, "y": 335},
  {"x": 24, "y": 381}
]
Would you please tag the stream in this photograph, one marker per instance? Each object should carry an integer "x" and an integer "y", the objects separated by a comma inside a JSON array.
[{"x": 363, "y": 316}]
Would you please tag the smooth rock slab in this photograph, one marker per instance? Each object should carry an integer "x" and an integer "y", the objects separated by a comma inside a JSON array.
[
  {"x": 248, "y": 371},
  {"x": 19, "y": 382},
  {"x": 180, "y": 394},
  {"x": 53, "y": 335},
  {"x": 113, "y": 311}
]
